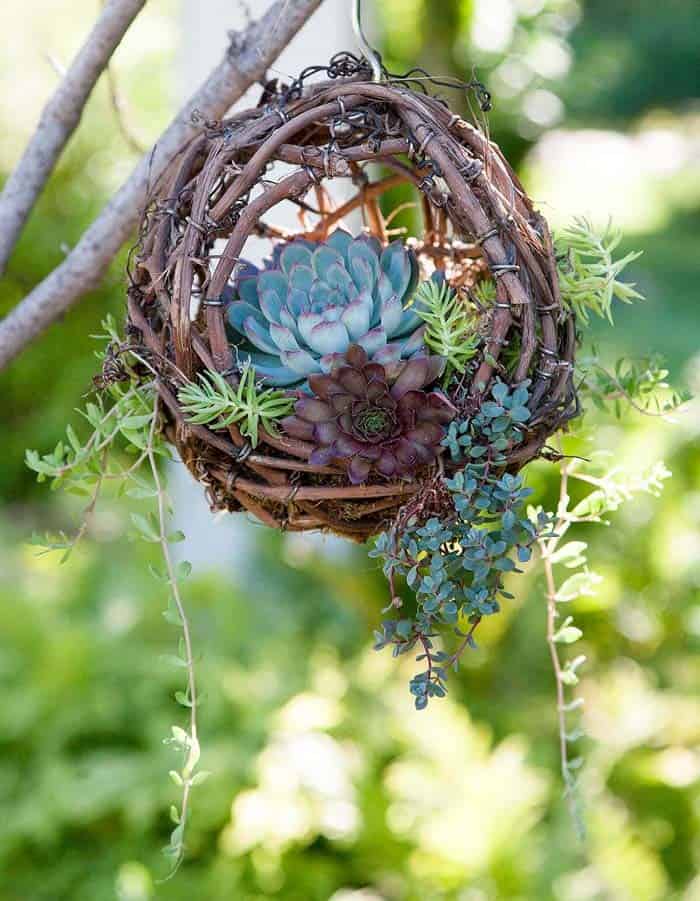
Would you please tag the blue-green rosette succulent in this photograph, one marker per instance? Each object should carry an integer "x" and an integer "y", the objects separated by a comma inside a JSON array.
[{"x": 312, "y": 301}]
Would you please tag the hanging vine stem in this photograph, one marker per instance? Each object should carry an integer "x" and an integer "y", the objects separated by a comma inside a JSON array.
[
  {"x": 187, "y": 741},
  {"x": 134, "y": 414},
  {"x": 608, "y": 492},
  {"x": 548, "y": 546}
]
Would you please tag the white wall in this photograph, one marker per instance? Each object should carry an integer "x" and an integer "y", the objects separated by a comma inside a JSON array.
[{"x": 204, "y": 36}]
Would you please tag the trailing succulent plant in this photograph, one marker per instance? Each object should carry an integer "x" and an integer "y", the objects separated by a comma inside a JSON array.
[
  {"x": 312, "y": 301},
  {"x": 454, "y": 558},
  {"x": 374, "y": 417}
]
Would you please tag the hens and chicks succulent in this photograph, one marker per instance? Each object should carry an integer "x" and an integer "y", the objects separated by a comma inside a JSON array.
[
  {"x": 340, "y": 325},
  {"x": 312, "y": 301}
]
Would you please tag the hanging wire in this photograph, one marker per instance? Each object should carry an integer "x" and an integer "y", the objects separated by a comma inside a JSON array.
[{"x": 369, "y": 52}]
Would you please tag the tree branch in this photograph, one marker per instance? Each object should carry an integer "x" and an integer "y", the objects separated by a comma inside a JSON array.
[
  {"x": 256, "y": 47},
  {"x": 59, "y": 119}
]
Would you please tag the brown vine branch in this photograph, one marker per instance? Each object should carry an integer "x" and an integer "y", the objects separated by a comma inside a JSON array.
[
  {"x": 251, "y": 53},
  {"x": 59, "y": 119}
]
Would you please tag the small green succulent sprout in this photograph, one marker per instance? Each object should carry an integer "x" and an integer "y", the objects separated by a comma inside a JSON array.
[
  {"x": 588, "y": 273},
  {"x": 451, "y": 327},
  {"x": 484, "y": 292},
  {"x": 312, "y": 301},
  {"x": 214, "y": 402}
]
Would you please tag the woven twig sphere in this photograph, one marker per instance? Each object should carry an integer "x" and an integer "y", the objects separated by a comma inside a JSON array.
[{"x": 477, "y": 223}]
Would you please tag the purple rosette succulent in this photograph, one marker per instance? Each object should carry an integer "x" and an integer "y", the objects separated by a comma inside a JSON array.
[
  {"x": 312, "y": 301},
  {"x": 374, "y": 417}
]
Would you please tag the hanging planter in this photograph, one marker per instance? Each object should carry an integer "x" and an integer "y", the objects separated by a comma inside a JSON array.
[
  {"x": 317, "y": 390},
  {"x": 357, "y": 381}
]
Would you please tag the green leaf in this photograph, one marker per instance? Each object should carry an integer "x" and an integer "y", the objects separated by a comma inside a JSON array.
[
  {"x": 173, "y": 660},
  {"x": 145, "y": 528},
  {"x": 158, "y": 573},
  {"x": 142, "y": 491},
  {"x": 582, "y": 583},
  {"x": 567, "y": 635},
  {"x": 588, "y": 272},
  {"x": 172, "y": 616},
  {"x": 136, "y": 422},
  {"x": 492, "y": 410},
  {"x": 570, "y": 554},
  {"x": 180, "y": 736},
  {"x": 138, "y": 439},
  {"x": 499, "y": 391},
  {"x": 404, "y": 628},
  {"x": 520, "y": 414},
  {"x": 177, "y": 835},
  {"x": 576, "y": 704},
  {"x": 451, "y": 328},
  {"x": 508, "y": 519},
  {"x": 524, "y": 554},
  {"x": 184, "y": 569},
  {"x": 200, "y": 777}
]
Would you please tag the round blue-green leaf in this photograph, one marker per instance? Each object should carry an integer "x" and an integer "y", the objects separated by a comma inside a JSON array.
[
  {"x": 239, "y": 311},
  {"x": 295, "y": 254},
  {"x": 273, "y": 280},
  {"x": 340, "y": 240},
  {"x": 323, "y": 259},
  {"x": 258, "y": 335}
]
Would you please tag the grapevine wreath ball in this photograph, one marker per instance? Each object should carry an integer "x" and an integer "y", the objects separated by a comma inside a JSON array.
[{"x": 358, "y": 381}]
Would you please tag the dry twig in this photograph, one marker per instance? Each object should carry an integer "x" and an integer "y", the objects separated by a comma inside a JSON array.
[
  {"x": 59, "y": 119},
  {"x": 255, "y": 49}
]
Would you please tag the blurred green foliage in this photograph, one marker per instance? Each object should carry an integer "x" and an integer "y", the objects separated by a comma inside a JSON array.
[
  {"x": 324, "y": 777},
  {"x": 59, "y": 367},
  {"x": 326, "y": 783},
  {"x": 632, "y": 56}
]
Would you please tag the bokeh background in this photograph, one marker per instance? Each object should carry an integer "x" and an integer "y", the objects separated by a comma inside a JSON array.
[{"x": 326, "y": 783}]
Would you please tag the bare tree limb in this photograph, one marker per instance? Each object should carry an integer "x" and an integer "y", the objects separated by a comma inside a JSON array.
[
  {"x": 252, "y": 51},
  {"x": 59, "y": 119}
]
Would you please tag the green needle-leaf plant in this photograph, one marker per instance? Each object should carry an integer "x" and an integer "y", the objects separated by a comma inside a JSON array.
[
  {"x": 588, "y": 273},
  {"x": 451, "y": 326},
  {"x": 249, "y": 406}
]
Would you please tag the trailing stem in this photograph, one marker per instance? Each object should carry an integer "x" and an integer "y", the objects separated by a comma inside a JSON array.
[
  {"x": 189, "y": 742},
  {"x": 548, "y": 546},
  {"x": 131, "y": 412},
  {"x": 607, "y": 492}
]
